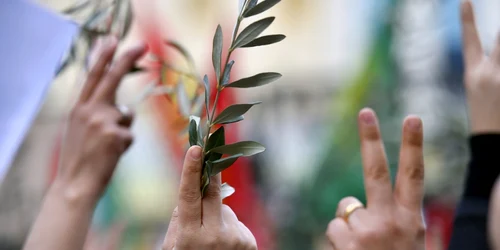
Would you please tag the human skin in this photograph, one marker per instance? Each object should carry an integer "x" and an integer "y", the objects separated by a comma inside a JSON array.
[{"x": 97, "y": 135}]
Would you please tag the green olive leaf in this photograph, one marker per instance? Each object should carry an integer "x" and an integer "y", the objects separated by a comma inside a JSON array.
[
  {"x": 201, "y": 134},
  {"x": 217, "y": 50},
  {"x": 252, "y": 31},
  {"x": 251, "y": 4},
  {"x": 96, "y": 18},
  {"x": 77, "y": 7},
  {"x": 255, "y": 81},
  {"x": 222, "y": 164},
  {"x": 261, "y": 7},
  {"x": 207, "y": 95},
  {"x": 265, "y": 40},
  {"x": 227, "y": 73},
  {"x": 226, "y": 190},
  {"x": 233, "y": 113},
  {"x": 245, "y": 148},
  {"x": 193, "y": 133},
  {"x": 216, "y": 139},
  {"x": 127, "y": 24}
]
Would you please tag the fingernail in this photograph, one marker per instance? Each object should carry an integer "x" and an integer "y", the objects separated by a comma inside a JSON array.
[
  {"x": 414, "y": 124},
  {"x": 367, "y": 116},
  {"x": 195, "y": 153}
]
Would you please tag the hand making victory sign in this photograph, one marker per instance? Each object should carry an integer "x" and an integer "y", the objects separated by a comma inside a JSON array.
[
  {"x": 392, "y": 218},
  {"x": 97, "y": 134}
]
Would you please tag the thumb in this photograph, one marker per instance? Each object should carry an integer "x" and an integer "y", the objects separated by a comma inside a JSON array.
[{"x": 189, "y": 206}]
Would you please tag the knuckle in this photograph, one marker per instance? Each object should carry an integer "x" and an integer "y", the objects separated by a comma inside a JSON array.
[
  {"x": 110, "y": 132},
  {"x": 333, "y": 227},
  {"x": 190, "y": 196},
  {"x": 234, "y": 242},
  {"x": 226, "y": 209},
  {"x": 252, "y": 246},
  {"x": 114, "y": 75},
  {"x": 415, "y": 172},
  {"x": 96, "y": 122},
  {"x": 420, "y": 229},
  {"x": 211, "y": 242},
  {"x": 213, "y": 191},
  {"x": 79, "y": 113},
  {"x": 392, "y": 229},
  {"x": 378, "y": 171},
  {"x": 127, "y": 138},
  {"x": 369, "y": 236}
]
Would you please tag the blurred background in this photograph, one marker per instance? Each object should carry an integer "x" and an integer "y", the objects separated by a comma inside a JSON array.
[{"x": 398, "y": 57}]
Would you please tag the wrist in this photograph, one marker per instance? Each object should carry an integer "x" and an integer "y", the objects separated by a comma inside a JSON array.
[{"x": 73, "y": 195}]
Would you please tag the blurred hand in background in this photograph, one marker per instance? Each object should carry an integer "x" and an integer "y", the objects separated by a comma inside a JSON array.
[
  {"x": 482, "y": 77},
  {"x": 98, "y": 133}
]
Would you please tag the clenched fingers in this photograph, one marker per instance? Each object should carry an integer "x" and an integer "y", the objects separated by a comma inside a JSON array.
[{"x": 339, "y": 234}]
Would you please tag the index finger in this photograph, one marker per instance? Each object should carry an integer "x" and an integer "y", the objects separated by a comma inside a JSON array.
[
  {"x": 107, "y": 90},
  {"x": 472, "y": 48},
  {"x": 106, "y": 51},
  {"x": 409, "y": 189},
  {"x": 189, "y": 207},
  {"x": 376, "y": 172}
]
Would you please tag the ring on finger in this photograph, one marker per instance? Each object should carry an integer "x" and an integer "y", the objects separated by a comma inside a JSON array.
[{"x": 350, "y": 209}]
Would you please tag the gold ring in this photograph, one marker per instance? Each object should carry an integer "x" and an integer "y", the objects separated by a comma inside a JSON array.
[{"x": 350, "y": 209}]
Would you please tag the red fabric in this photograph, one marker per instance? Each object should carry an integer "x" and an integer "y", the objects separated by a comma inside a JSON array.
[{"x": 439, "y": 219}]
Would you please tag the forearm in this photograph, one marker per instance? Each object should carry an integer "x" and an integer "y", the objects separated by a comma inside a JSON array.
[{"x": 63, "y": 221}]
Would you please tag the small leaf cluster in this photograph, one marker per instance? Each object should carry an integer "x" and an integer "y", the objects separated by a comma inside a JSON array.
[
  {"x": 217, "y": 155},
  {"x": 104, "y": 19}
]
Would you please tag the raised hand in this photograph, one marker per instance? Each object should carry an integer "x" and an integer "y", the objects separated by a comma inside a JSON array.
[
  {"x": 98, "y": 132},
  {"x": 204, "y": 223},
  {"x": 482, "y": 77},
  {"x": 97, "y": 135},
  {"x": 392, "y": 219}
]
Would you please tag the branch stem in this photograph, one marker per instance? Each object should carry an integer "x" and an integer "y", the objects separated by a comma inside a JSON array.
[{"x": 219, "y": 81}]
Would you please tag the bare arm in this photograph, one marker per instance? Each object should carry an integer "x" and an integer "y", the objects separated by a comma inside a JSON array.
[{"x": 96, "y": 137}]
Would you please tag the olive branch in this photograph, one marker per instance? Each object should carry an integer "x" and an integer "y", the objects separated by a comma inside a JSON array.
[
  {"x": 213, "y": 144},
  {"x": 115, "y": 16}
]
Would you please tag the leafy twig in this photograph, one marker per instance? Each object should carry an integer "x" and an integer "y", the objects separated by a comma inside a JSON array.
[{"x": 214, "y": 144}]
